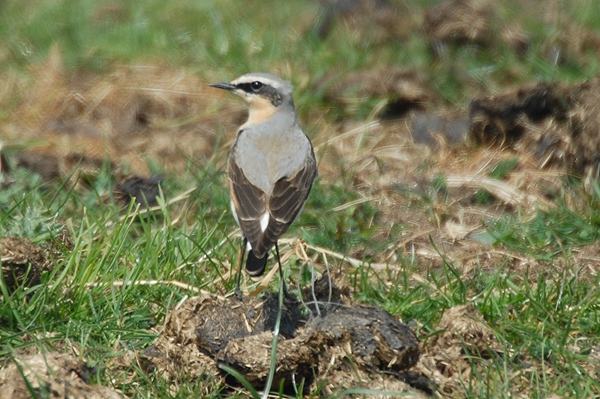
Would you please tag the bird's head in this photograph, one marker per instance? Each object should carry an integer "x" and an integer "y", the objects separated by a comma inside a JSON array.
[{"x": 264, "y": 93}]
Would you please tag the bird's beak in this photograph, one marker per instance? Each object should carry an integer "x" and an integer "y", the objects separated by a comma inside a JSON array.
[{"x": 224, "y": 86}]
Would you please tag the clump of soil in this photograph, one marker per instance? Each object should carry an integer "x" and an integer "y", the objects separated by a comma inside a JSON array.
[
  {"x": 459, "y": 21},
  {"x": 50, "y": 375},
  {"x": 445, "y": 358},
  {"x": 472, "y": 23},
  {"x": 503, "y": 118},
  {"x": 340, "y": 344},
  {"x": 142, "y": 191},
  {"x": 333, "y": 344},
  {"x": 556, "y": 123},
  {"x": 23, "y": 262}
]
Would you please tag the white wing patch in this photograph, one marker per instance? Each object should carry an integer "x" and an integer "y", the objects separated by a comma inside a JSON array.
[
  {"x": 232, "y": 205},
  {"x": 264, "y": 221}
]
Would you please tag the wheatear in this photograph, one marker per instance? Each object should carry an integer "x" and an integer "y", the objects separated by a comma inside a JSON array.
[{"x": 270, "y": 170}]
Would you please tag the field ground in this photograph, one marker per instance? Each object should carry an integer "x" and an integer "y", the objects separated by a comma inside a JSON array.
[{"x": 458, "y": 188}]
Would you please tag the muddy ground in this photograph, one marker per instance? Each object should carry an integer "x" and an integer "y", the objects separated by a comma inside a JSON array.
[
  {"x": 336, "y": 345},
  {"x": 66, "y": 127},
  {"x": 332, "y": 343}
]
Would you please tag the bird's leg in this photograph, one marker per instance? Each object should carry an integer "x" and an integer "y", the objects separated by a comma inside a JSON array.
[
  {"x": 238, "y": 291},
  {"x": 282, "y": 286}
]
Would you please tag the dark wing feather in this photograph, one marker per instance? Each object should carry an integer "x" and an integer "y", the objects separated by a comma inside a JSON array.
[
  {"x": 289, "y": 194},
  {"x": 249, "y": 202},
  {"x": 286, "y": 202}
]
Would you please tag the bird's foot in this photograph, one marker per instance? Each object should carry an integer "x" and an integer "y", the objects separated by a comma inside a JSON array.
[{"x": 238, "y": 294}]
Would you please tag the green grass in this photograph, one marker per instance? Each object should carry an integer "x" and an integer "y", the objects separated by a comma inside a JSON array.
[
  {"x": 540, "y": 320},
  {"x": 546, "y": 322},
  {"x": 554, "y": 231}
]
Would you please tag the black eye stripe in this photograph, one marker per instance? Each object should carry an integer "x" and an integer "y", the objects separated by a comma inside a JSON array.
[
  {"x": 263, "y": 90},
  {"x": 254, "y": 87}
]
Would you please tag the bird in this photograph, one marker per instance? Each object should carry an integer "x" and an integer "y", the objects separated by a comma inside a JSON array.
[{"x": 270, "y": 170}]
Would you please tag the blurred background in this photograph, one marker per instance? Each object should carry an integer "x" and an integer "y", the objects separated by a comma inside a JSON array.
[
  {"x": 109, "y": 68},
  {"x": 127, "y": 80}
]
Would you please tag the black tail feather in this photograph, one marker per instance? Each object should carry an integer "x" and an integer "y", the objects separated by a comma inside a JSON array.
[{"x": 255, "y": 267}]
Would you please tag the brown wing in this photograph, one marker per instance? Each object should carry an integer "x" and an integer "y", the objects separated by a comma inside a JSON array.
[
  {"x": 286, "y": 202},
  {"x": 249, "y": 202}
]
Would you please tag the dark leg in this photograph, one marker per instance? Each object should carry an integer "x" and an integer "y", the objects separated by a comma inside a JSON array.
[
  {"x": 280, "y": 270},
  {"x": 238, "y": 292}
]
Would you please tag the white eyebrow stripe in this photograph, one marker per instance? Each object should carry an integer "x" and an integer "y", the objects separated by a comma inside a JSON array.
[{"x": 261, "y": 79}]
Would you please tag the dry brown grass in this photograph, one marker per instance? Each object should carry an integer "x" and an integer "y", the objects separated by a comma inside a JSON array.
[{"x": 131, "y": 115}]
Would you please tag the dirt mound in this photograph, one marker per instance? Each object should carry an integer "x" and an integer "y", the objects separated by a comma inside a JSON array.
[
  {"x": 459, "y": 21},
  {"x": 142, "y": 191},
  {"x": 334, "y": 344},
  {"x": 50, "y": 375},
  {"x": 346, "y": 346},
  {"x": 447, "y": 357},
  {"x": 23, "y": 262},
  {"x": 556, "y": 123}
]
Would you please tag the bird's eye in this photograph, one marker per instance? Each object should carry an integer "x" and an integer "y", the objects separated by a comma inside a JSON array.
[{"x": 256, "y": 85}]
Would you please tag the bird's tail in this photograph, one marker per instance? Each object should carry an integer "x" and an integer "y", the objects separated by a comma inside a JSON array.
[{"x": 255, "y": 267}]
